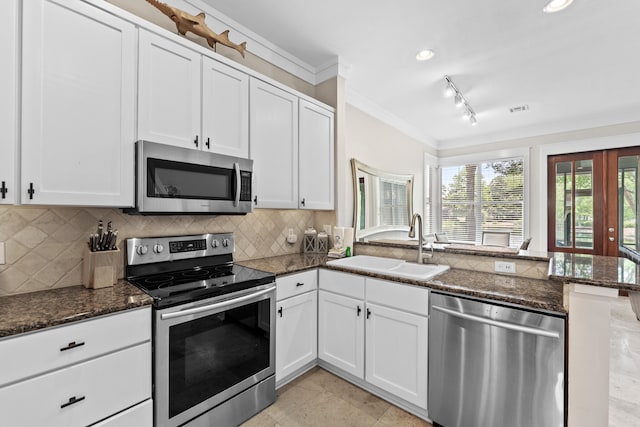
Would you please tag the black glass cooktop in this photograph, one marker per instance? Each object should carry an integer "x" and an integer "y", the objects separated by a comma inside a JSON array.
[{"x": 169, "y": 288}]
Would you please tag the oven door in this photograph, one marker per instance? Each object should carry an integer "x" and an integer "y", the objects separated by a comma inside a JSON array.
[{"x": 209, "y": 351}]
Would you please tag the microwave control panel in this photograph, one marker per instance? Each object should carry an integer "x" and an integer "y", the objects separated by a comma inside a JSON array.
[{"x": 245, "y": 186}]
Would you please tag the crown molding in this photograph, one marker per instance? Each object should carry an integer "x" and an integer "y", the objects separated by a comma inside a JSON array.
[{"x": 375, "y": 110}]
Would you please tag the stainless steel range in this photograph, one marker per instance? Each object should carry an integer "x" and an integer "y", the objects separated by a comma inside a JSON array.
[{"x": 214, "y": 329}]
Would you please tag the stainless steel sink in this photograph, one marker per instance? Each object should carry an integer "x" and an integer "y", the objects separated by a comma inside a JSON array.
[{"x": 390, "y": 267}]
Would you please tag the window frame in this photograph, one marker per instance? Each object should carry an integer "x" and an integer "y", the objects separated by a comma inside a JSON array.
[{"x": 435, "y": 193}]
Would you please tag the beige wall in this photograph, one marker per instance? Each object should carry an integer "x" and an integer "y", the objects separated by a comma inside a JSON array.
[{"x": 381, "y": 146}]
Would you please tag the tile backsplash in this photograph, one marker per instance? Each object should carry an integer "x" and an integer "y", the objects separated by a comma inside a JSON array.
[{"x": 44, "y": 245}]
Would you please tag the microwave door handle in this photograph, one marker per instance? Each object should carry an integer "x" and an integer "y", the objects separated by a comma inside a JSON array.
[{"x": 236, "y": 168}]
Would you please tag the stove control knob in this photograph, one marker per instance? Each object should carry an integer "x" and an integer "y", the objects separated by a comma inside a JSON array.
[
  {"x": 158, "y": 248},
  {"x": 215, "y": 243},
  {"x": 142, "y": 250},
  {"x": 225, "y": 242}
]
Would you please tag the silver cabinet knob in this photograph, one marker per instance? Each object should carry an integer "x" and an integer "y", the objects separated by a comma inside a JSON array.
[
  {"x": 611, "y": 229},
  {"x": 612, "y": 239}
]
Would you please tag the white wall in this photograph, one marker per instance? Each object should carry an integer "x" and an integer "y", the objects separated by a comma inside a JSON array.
[{"x": 381, "y": 146}]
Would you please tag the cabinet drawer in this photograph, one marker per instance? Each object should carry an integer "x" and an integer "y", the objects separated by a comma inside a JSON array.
[
  {"x": 347, "y": 284},
  {"x": 31, "y": 354},
  {"x": 140, "y": 416},
  {"x": 101, "y": 387},
  {"x": 296, "y": 284},
  {"x": 398, "y": 295}
]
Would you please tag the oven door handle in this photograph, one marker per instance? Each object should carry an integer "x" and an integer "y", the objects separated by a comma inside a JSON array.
[
  {"x": 211, "y": 307},
  {"x": 236, "y": 168}
]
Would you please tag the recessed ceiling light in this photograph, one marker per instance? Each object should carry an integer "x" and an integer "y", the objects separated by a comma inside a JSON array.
[
  {"x": 556, "y": 5},
  {"x": 425, "y": 55}
]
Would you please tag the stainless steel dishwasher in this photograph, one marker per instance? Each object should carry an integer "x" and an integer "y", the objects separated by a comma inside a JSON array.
[{"x": 492, "y": 365}]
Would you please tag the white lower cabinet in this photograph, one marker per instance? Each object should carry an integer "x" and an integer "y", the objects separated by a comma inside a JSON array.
[
  {"x": 396, "y": 349},
  {"x": 101, "y": 373},
  {"x": 377, "y": 331},
  {"x": 296, "y": 324},
  {"x": 341, "y": 332}
]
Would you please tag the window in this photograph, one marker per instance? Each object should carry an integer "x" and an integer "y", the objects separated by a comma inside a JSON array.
[
  {"x": 393, "y": 203},
  {"x": 483, "y": 196}
]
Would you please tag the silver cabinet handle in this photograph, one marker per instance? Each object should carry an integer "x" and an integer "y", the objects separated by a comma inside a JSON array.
[
  {"x": 504, "y": 325},
  {"x": 215, "y": 306}
]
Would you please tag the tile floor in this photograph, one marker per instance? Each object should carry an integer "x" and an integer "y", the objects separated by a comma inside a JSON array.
[
  {"x": 319, "y": 398},
  {"x": 624, "y": 379}
]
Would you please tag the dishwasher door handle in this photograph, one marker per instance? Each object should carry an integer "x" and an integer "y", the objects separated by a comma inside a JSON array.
[{"x": 504, "y": 325}]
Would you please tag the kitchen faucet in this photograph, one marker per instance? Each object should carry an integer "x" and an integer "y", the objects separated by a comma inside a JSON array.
[{"x": 412, "y": 234}]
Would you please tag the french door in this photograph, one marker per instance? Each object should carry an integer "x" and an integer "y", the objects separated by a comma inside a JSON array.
[{"x": 593, "y": 202}]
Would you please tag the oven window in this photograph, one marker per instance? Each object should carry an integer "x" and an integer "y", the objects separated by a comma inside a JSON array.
[
  {"x": 179, "y": 180},
  {"x": 213, "y": 353}
]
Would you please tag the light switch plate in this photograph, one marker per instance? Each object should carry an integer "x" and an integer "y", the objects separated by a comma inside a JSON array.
[
  {"x": 2, "y": 257},
  {"x": 505, "y": 267}
]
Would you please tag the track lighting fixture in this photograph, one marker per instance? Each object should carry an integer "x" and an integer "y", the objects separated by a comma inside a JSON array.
[{"x": 460, "y": 101}]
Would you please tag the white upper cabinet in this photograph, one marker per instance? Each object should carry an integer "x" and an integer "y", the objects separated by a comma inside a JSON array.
[
  {"x": 225, "y": 109},
  {"x": 316, "y": 157},
  {"x": 273, "y": 129},
  {"x": 169, "y": 92},
  {"x": 8, "y": 101},
  {"x": 190, "y": 100},
  {"x": 78, "y": 105}
]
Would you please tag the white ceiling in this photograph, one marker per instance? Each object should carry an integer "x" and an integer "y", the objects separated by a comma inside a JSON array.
[{"x": 575, "y": 69}]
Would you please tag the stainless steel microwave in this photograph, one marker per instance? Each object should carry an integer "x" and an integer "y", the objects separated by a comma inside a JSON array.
[{"x": 176, "y": 180}]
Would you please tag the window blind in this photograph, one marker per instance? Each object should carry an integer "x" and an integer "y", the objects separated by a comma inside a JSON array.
[{"x": 484, "y": 196}]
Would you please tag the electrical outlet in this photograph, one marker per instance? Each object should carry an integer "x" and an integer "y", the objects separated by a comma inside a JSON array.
[
  {"x": 2, "y": 257},
  {"x": 505, "y": 267}
]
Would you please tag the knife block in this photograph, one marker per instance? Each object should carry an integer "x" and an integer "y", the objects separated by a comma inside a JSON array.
[{"x": 99, "y": 269}]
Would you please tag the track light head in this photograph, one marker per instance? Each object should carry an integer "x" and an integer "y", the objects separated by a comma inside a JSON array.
[
  {"x": 449, "y": 91},
  {"x": 458, "y": 100}
]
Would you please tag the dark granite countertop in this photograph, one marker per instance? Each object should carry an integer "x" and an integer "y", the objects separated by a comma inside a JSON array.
[
  {"x": 37, "y": 310},
  {"x": 534, "y": 293},
  {"x": 464, "y": 249},
  {"x": 610, "y": 272},
  {"x": 286, "y": 264}
]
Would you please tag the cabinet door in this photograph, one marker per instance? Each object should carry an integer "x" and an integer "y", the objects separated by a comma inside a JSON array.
[
  {"x": 8, "y": 101},
  {"x": 396, "y": 353},
  {"x": 316, "y": 157},
  {"x": 296, "y": 333},
  {"x": 225, "y": 109},
  {"x": 341, "y": 332},
  {"x": 78, "y": 100},
  {"x": 273, "y": 133},
  {"x": 169, "y": 92}
]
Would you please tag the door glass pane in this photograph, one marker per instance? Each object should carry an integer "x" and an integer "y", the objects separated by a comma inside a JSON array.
[
  {"x": 584, "y": 204},
  {"x": 564, "y": 199},
  {"x": 628, "y": 202}
]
